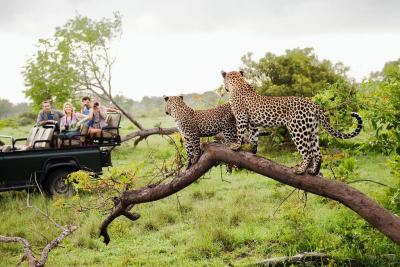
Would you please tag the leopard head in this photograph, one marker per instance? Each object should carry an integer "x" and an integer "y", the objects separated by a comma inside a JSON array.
[
  {"x": 172, "y": 104},
  {"x": 233, "y": 79}
]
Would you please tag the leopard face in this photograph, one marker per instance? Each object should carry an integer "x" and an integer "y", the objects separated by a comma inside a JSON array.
[{"x": 172, "y": 103}]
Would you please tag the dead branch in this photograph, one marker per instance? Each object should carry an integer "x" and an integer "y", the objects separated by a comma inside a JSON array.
[
  {"x": 28, "y": 252},
  {"x": 53, "y": 244},
  {"x": 143, "y": 134},
  {"x": 213, "y": 154}
]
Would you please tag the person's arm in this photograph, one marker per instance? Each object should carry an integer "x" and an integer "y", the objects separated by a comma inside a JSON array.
[
  {"x": 90, "y": 116},
  {"x": 60, "y": 113},
  {"x": 40, "y": 121},
  {"x": 62, "y": 124},
  {"x": 103, "y": 112},
  {"x": 112, "y": 110}
]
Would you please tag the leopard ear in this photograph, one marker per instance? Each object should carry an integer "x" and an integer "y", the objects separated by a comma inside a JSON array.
[
  {"x": 242, "y": 73},
  {"x": 166, "y": 98},
  {"x": 181, "y": 96},
  {"x": 223, "y": 73}
]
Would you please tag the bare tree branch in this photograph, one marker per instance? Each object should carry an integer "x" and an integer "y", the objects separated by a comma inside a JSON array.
[
  {"x": 213, "y": 154},
  {"x": 53, "y": 244},
  {"x": 144, "y": 133},
  {"x": 28, "y": 252}
]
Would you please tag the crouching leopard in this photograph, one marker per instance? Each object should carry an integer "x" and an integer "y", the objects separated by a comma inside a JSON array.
[
  {"x": 299, "y": 115},
  {"x": 193, "y": 124}
]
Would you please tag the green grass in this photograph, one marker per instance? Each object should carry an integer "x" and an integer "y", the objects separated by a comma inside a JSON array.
[{"x": 217, "y": 222}]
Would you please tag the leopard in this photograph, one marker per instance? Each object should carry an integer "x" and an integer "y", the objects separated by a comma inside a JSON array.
[
  {"x": 299, "y": 115},
  {"x": 194, "y": 124}
]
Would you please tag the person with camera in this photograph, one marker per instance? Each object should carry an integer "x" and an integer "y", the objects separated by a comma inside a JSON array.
[
  {"x": 68, "y": 123},
  {"x": 97, "y": 117}
]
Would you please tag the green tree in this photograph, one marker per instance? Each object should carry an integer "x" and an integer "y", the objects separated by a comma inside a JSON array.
[
  {"x": 298, "y": 72},
  {"x": 76, "y": 61},
  {"x": 6, "y": 108},
  {"x": 383, "y": 99}
]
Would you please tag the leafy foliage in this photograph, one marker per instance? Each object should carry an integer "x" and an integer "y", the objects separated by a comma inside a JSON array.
[
  {"x": 22, "y": 119},
  {"x": 342, "y": 166},
  {"x": 68, "y": 63},
  {"x": 298, "y": 72},
  {"x": 383, "y": 101},
  {"x": 8, "y": 109}
]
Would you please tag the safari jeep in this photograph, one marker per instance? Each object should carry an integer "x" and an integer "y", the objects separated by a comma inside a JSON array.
[{"x": 41, "y": 160}]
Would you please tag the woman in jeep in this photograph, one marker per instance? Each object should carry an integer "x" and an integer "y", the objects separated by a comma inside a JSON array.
[{"x": 68, "y": 123}]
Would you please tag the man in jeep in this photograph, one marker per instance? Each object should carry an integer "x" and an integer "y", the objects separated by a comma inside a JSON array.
[{"x": 48, "y": 115}]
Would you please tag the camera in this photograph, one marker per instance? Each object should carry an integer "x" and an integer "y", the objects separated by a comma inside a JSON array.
[{"x": 96, "y": 104}]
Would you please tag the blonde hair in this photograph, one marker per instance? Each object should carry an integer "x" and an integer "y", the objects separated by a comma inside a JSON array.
[{"x": 70, "y": 104}]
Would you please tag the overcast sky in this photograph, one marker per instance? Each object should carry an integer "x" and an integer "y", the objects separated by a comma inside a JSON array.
[{"x": 173, "y": 47}]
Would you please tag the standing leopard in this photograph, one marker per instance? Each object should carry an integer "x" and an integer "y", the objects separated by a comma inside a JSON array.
[
  {"x": 193, "y": 124},
  {"x": 299, "y": 115}
]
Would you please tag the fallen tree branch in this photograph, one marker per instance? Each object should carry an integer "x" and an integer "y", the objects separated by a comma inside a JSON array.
[
  {"x": 28, "y": 252},
  {"x": 143, "y": 134},
  {"x": 213, "y": 154}
]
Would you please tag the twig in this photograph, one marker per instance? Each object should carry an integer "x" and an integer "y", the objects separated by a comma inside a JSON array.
[
  {"x": 222, "y": 178},
  {"x": 371, "y": 181},
  {"x": 283, "y": 201}
]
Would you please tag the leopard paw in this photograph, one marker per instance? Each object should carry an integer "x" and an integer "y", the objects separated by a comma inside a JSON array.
[
  {"x": 312, "y": 172},
  {"x": 299, "y": 170},
  {"x": 235, "y": 147}
]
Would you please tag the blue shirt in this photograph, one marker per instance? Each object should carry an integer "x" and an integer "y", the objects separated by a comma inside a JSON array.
[{"x": 85, "y": 110}]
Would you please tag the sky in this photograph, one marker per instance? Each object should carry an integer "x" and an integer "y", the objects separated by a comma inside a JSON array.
[{"x": 173, "y": 47}]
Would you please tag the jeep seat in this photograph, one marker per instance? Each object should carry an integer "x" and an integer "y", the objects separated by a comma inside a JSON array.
[
  {"x": 28, "y": 141},
  {"x": 111, "y": 132},
  {"x": 81, "y": 138}
]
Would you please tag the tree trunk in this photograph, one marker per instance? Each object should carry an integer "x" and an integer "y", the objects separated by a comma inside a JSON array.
[{"x": 213, "y": 154}]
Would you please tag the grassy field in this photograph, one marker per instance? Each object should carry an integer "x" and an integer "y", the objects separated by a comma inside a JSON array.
[{"x": 235, "y": 220}]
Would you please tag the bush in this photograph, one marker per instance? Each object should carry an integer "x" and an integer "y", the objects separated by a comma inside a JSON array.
[
  {"x": 9, "y": 122},
  {"x": 383, "y": 99},
  {"x": 26, "y": 118}
]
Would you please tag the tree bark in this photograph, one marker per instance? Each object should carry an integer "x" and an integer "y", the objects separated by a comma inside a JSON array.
[
  {"x": 213, "y": 154},
  {"x": 143, "y": 134}
]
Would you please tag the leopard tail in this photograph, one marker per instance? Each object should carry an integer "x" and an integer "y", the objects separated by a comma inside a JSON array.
[{"x": 323, "y": 120}]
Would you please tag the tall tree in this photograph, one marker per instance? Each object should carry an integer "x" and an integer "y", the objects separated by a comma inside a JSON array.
[
  {"x": 77, "y": 60},
  {"x": 5, "y": 107}
]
